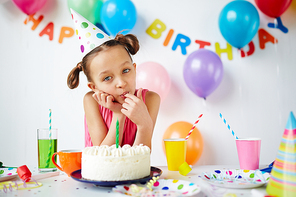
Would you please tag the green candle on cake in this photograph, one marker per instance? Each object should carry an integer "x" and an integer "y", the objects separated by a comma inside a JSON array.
[{"x": 117, "y": 133}]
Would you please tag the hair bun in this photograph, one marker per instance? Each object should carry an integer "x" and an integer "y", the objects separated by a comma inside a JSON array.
[{"x": 130, "y": 41}]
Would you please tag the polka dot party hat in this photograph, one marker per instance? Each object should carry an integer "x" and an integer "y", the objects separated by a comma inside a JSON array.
[
  {"x": 88, "y": 34},
  {"x": 282, "y": 181}
]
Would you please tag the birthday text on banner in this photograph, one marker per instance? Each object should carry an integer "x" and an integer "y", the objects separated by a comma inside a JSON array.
[{"x": 157, "y": 29}]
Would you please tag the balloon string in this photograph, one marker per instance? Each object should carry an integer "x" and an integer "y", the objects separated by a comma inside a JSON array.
[
  {"x": 240, "y": 74},
  {"x": 275, "y": 48},
  {"x": 277, "y": 74},
  {"x": 240, "y": 87},
  {"x": 204, "y": 102}
]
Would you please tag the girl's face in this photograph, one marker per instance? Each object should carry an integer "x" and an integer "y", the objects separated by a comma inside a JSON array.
[{"x": 113, "y": 72}]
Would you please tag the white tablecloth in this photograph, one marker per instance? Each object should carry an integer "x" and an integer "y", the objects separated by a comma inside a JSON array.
[{"x": 62, "y": 185}]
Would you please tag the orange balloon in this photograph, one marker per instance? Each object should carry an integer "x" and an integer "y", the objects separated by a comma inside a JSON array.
[{"x": 194, "y": 146}]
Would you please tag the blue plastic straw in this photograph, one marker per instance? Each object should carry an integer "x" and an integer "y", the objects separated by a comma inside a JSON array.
[
  {"x": 50, "y": 142},
  {"x": 232, "y": 132}
]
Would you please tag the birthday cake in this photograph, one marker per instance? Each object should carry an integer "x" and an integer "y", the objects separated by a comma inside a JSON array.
[{"x": 108, "y": 163}]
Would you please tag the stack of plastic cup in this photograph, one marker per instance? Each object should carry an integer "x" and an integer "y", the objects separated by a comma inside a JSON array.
[{"x": 282, "y": 181}]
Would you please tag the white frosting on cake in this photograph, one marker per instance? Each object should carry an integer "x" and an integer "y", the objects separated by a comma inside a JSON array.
[{"x": 108, "y": 163}]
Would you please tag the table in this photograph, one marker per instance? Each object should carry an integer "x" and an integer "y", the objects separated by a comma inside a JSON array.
[{"x": 62, "y": 185}]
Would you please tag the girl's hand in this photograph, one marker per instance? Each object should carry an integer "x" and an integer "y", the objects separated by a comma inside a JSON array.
[
  {"x": 136, "y": 110},
  {"x": 107, "y": 101}
]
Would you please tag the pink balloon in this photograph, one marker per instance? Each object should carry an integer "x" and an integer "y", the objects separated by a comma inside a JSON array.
[
  {"x": 154, "y": 77},
  {"x": 29, "y": 6}
]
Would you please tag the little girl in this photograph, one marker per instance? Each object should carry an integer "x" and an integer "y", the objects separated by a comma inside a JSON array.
[{"x": 111, "y": 76}]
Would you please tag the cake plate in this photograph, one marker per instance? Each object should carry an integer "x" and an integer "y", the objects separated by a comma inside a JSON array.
[{"x": 76, "y": 175}]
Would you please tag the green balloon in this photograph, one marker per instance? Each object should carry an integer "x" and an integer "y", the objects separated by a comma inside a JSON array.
[{"x": 89, "y": 9}]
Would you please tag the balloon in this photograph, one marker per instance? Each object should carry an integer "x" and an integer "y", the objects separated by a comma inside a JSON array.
[
  {"x": 154, "y": 77},
  {"x": 29, "y": 6},
  {"x": 273, "y": 8},
  {"x": 118, "y": 15},
  {"x": 194, "y": 146},
  {"x": 239, "y": 22},
  {"x": 203, "y": 72},
  {"x": 90, "y": 9}
]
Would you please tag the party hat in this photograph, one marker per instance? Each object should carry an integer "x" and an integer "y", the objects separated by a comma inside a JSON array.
[
  {"x": 282, "y": 181},
  {"x": 89, "y": 35}
]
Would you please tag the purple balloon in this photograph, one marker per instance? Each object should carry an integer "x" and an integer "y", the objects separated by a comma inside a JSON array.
[{"x": 203, "y": 72}]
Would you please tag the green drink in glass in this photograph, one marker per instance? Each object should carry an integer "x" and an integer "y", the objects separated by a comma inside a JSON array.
[{"x": 45, "y": 149}]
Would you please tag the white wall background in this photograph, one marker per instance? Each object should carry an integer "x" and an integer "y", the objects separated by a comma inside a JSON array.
[{"x": 255, "y": 96}]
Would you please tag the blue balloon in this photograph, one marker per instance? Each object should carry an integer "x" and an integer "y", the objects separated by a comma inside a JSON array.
[
  {"x": 239, "y": 22},
  {"x": 118, "y": 16}
]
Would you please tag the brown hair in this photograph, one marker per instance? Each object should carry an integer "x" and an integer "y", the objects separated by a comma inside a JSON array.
[{"x": 130, "y": 43}]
